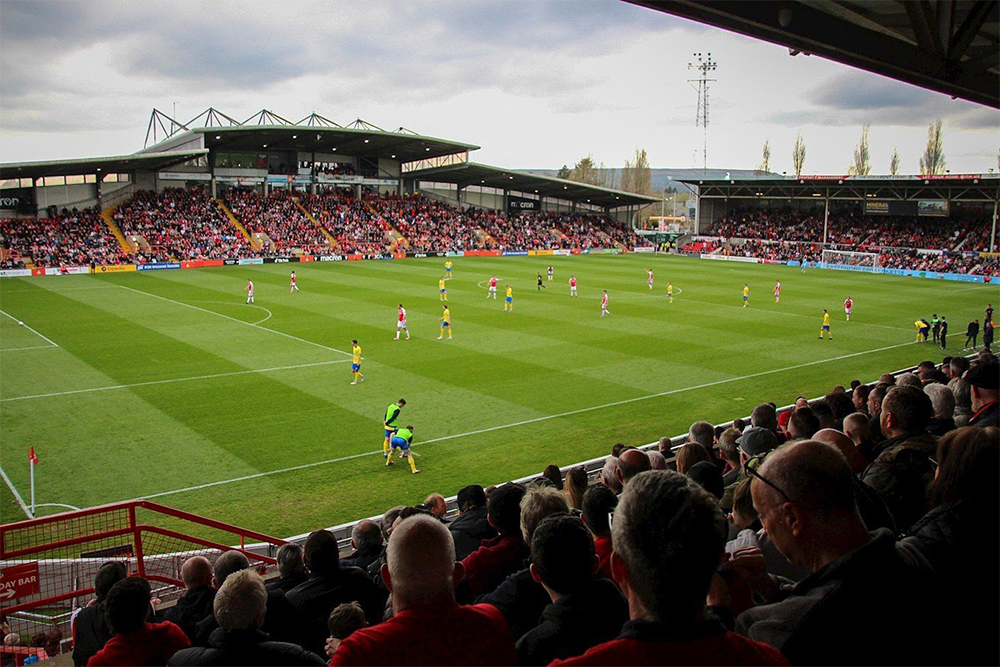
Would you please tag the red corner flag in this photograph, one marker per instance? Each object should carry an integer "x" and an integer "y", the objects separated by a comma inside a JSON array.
[{"x": 32, "y": 457}]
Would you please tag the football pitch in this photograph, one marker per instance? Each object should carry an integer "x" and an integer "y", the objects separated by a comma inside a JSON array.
[{"x": 166, "y": 385}]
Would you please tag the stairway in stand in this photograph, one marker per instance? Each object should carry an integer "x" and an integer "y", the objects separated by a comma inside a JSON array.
[
  {"x": 108, "y": 215},
  {"x": 329, "y": 237},
  {"x": 236, "y": 223}
]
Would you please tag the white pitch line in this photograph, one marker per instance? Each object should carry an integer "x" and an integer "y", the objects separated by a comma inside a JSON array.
[
  {"x": 341, "y": 459},
  {"x": 47, "y": 340},
  {"x": 248, "y": 305},
  {"x": 32, "y": 347},
  {"x": 172, "y": 380},
  {"x": 249, "y": 324},
  {"x": 17, "y": 496},
  {"x": 55, "y": 291}
]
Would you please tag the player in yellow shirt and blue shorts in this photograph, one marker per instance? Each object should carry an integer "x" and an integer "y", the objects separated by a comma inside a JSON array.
[
  {"x": 746, "y": 295},
  {"x": 508, "y": 302},
  {"x": 442, "y": 289},
  {"x": 447, "y": 268},
  {"x": 356, "y": 362},
  {"x": 445, "y": 323},
  {"x": 826, "y": 326}
]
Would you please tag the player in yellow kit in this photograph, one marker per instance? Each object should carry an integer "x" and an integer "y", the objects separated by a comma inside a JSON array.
[
  {"x": 670, "y": 292},
  {"x": 508, "y": 302},
  {"x": 445, "y": 323},
  {"x": 356, "y": 362},
  {"x": 442, "y": 289},
  {"x": 746, "y": 295},
  {"x": 826, "y": 326},
  {"x": 447, "y": 268}
]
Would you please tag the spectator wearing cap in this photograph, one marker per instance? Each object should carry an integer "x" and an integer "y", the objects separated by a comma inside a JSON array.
[
  {"x": 584, "y": 610},
  {"x": 754, "y": 444},
  {"x": 366, "y": 540},
  {"x": 984, "y": 380},
  {"x": 329, "y": 584},
  {"x": 964, "y": 497},
  {"x": 708, "y": 476},
  {"x": 598, "y": 504},
  {"x": 196, "y": 603},
  {"x": 666, "y": 524},
  {"x": 136, "y": 641},
  {"x": 863, "y": 586},
  {"x": 503, "y": 555},
  {"x": 428, "y": 627},
  {"x": 239, "y": 606},
  {"x": 90, "y": 625},
  {"x": 472, "y": 526},
  {"x": 520, "y": 598}
]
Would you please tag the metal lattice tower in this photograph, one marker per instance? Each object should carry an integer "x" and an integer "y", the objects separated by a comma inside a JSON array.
[{"x": 703, "y": 64}]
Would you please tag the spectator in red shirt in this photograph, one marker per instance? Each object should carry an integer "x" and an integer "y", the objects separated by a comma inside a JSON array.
[
  {"x": 136, "y": 642},
  {"x": 428, "y": 626},
  {"x": 669, "y": 535},
  {"x": 490, "y": 564},
  {"x": 598, "y": 503}
]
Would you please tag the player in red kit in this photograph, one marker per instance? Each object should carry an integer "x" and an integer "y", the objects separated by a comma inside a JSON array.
[
  {"x": 293, "y": 287},
  {"x": 401, "y": 323},
  {"x": 848, "y": 304},
  {"x": 249, "y": 291},
  {"x": 492, "y": 291},
  {"x": 572, "y": 286}
]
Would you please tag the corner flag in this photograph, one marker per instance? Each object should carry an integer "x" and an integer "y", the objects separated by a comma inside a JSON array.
[{"x": 32, "y": 457}]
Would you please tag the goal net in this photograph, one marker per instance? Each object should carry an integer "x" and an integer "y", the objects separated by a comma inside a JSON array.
[{"x": 864, "y": 261}]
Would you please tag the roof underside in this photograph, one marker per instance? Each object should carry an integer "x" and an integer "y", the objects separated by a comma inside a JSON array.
[
  {"x": 341, "y": 140},
  {"x": 948, "y": 46},
  {"x": 965, "y": 187},
  {"x": 97, "y": 165},
  {"x": 474, "y": 173}
]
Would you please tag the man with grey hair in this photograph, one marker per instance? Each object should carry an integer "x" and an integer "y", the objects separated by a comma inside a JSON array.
[
  {"x": 366, "y": 540},
  {"x": 943, "y": 404},
  {"x": 291, "y": 569},
  {"x": 669, "y": 536},
  {"x": 609, "y": 475},
  {"x": 196, "y": 603},
  {"x": 520, "y": 598},
  {"x": 279, "y": 622},
  {"x": 703, "y": 433},
  {"x": 909, "y": 380},
  {"x": 240, "y": 607},
  {"x": 863, "y": 585},
  {"x": 428, "y": 627}
]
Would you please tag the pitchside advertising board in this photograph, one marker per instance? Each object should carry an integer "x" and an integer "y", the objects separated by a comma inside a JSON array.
[
  {"x": 519, "y": 204},
  {"x": 922, "y": 207}
]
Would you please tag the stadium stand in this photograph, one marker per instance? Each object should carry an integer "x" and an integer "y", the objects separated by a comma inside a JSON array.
[
  {"x": 76, "y": 238},
  {"x": 276, "y": 217},
  {"x": 869, "y": 513}
]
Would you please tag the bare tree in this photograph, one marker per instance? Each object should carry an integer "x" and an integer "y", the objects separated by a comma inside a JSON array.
[
  {"x": 894, "y": 163},
  {"x": 932, "y": 161},
  {"x": 862, "y": 164},
  {"x": 765, "y": 159},
  {"x": 798, "y": 155},
  {"x": 636, "y": 175}
]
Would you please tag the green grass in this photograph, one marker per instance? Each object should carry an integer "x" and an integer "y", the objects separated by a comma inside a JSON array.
[{"x": 552, "y": 356}]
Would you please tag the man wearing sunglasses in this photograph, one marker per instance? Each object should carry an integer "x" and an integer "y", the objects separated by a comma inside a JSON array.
[{"x": 867, "y": 600}]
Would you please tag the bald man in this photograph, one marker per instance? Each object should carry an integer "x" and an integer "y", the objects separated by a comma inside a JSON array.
[
  {"x": 864, "y": 586},
  {"x": 196, "y": 603},
  {"x": 874, "y": 512},
  {"x": 428, "y": 626},
  {"x": 631, "y": 462}
]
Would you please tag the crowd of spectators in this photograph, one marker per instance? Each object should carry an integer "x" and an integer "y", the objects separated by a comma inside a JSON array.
[
  {"x": 351, "y": 221},
  {"x": 74, "y": 238},
  {"x": 831, "y": 532},
  {"x": 278, "y": 218},
  {"x": 179, "y": 224}
]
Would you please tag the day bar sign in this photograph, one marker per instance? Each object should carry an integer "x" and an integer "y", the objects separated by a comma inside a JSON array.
[{"x": 19, "y": 581}]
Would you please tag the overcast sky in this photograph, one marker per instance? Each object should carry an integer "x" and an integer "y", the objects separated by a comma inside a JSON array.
[{"x": 536, "y": 83}]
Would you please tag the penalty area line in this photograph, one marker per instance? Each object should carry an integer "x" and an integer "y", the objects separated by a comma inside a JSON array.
[
  {"x": 501, "y": 427},
  {"x": 255, "y": 325},
  {"x": 47, "y": 340}
]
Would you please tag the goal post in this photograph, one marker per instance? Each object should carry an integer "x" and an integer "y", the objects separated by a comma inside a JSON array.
[{"x": 861, "y": 261}]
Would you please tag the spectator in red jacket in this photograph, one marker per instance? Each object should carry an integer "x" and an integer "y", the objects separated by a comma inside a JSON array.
[
  {"x": 669, "y": 535},
  {"x": 428, "y": 626},
  {"x": 490, "y": 564},
  {"x": 136, "y": 642}
]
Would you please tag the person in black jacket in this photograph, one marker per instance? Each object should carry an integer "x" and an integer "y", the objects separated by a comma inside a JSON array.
[
  {"x": 472, "y": 525},
  {"x": 280, "y": 621},
  {"x": 291, "y": 569},
  {"x": 90, "y": 628},
  {"x": 944, "y": 333},
  {"x": 972, "y": 334},
  {"x": 964, "y": 498},
  {"x": 240, "y": 607},
  {"x": 196, "y": 603},
  {"x": 586, "y": 610},
  {"x": 366, "y": 540},
  {"x": 329, "y": 585}
]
